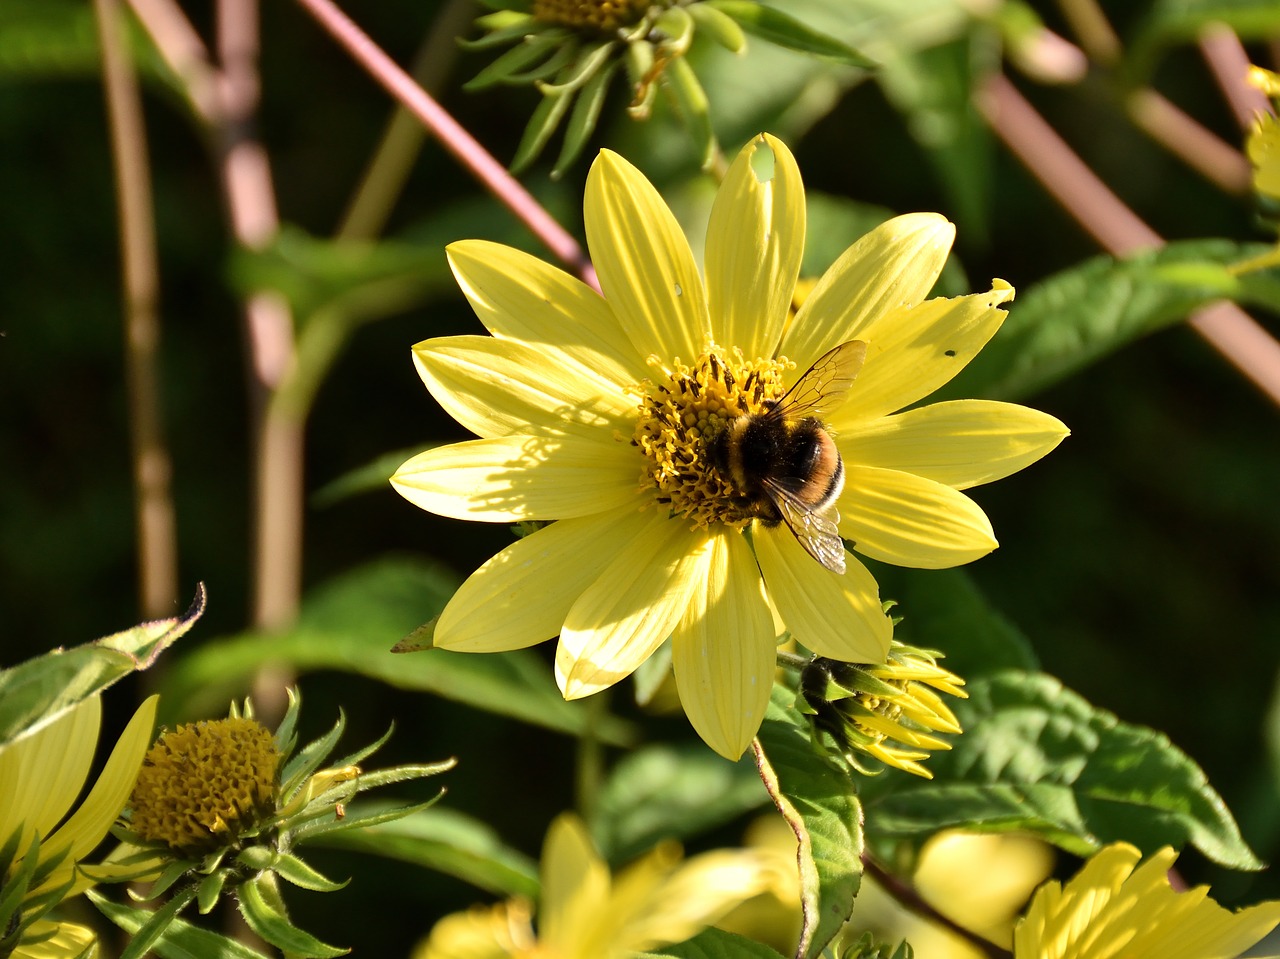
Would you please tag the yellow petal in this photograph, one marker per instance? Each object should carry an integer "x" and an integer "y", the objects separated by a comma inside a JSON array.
[
  {"x": 89, "y": 824},
  {"x": 521, "y": 596},
  {"x": 724, "y": 649},
  {"x": 646, "y": 268},
  {"x": 1263, "y": 147},
  {"x": 483, "y": 932},
  {"x": 960, "y": 444},
  {"x": 893, "y": 266},
  {"x": 44, "y": 939},
  {"x": 912, "y": 352},
  {"x": 755, "y": 240},
  {"x": 512, "y": 478},
  {"x": 499, "y": 387},
  {"x": 45, "y": 770},
  {"x": 632, "y": 607},
  {"x": 519, "y": 297},
  {"x": 911, "y": 521},
  {"x": 835, "y": 615},
  {"x": 575, "y": 886}
]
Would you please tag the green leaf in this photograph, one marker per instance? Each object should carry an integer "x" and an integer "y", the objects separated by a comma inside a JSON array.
[
  {"x": 1036, "y": 757},
  {"x": 447, "y": 841},
  {"x": 943, "y": 609},
  {"x": 180, "y": 940},
  {"x": 816, "y": 797},
  {"x": 157, "y": 923},
  {"x": 713, "y": 943},
  {"x": 1171, "y": 23},
  {"x": 777, "y": 27},
  {"x": 670, "y": 791},
  {"x": 269, "y": 923},
  {"x": 1084, "y": 313},
  {"x": 35, "y": 693},
  {"x": 351, "y": 623}
]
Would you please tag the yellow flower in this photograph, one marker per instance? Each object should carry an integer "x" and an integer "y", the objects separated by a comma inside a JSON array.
[
  {"x": 1111, "y": 910},
  {"x": 43, "y": 774},
  {"x": 608, "y": 414},
  {"x": 587, "y": 914}
]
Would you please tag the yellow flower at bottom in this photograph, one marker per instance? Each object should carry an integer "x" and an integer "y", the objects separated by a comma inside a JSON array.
[
  {"x": 611, "y": 416},
  {"x": 42, "y": 775},
  {"x": 1111, "y": 910},
  {"x": 587, "y": 914}
]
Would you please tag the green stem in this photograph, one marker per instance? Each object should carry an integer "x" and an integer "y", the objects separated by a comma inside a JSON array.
[{"x": 589, "y": 773}]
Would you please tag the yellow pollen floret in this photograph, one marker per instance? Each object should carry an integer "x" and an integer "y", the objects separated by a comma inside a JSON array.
[
  {"x": 681, "y": 415},
  {"x": 203, "y": 784},
  {"x": 602, "y": 15}
]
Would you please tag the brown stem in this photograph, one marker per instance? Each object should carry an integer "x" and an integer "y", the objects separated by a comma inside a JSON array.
[
  {"x": 1231, "y": 331},
  {"x": 907, "y": 895},
  {"x": 1090, "y": 25},
  {"x": 1206, "y": 153},
  {"x": 1229, "y": 64},
  {"x": 461, "y": 144},
  {"x": 152, "y": 467}
]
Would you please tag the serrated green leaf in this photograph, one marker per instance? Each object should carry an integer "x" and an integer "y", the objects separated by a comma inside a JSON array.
[
  {"x": 670, "y": 791},
  {"x": 351, "y": 623},
  {"x": 943, "y": 609},
  {"x": 271, "y": 925},
  {"x": 447, "y": 841},
  {"x": 816, "y": 797},
  {"x": 181, "y": 940},
  {"x": 777, "y": 27},
  {"x": 1170, "y": 23},
  {"x": 35, "y": 693},
  {"x": 713, "y": 943},
  {"x": 1036, "y": 757},
  {"x": 1089, "y": 311}
]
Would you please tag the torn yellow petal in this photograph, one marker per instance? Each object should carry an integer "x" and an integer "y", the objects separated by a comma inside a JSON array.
[
  {"x": 833, "y": 614},
  {"x": 892, "y": 267},
  {"x": 521, "y": 596},
  {"x": 755, "y": 240},
  {"x": 513, "y": 478},
  {"x": 499, "y": 387},
  {"x": 911, "y": 521},
  {"x": 724, "y": 649},
  {"x": 520, "y": 297},
  {"x": 960, "y": 444},
  {"x": 632, "y": 606},
  {"x": 644, "y": 263}
]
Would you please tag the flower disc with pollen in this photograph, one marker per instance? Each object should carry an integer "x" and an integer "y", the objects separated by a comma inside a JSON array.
[
  {"x": 561, "y": 439},
  {"x": 203, "y": 784}
]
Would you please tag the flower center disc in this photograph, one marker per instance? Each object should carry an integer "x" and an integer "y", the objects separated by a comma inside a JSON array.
[
  {"x": 681, "y": 416},
  {"x": 602, "y": 15}
]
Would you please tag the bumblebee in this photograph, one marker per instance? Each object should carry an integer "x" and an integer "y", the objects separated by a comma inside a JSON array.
[{"x": 784, "y": 460}]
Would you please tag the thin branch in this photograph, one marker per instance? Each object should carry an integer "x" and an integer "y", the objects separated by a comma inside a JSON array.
[
  {"x": 1204, "y": 151},
  {"x": 1229, "y": 63},
  {"x": 1231, "y": 331},
  {"x": 909, "y": 897},
  {"x": 461, "y": 144},
  {"x": 183, "y": 52},
  {"x": 152, "y": 467},
  {"x": 1090, "y": 25}
]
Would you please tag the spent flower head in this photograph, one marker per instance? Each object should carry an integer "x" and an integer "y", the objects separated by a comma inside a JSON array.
[
  {"x": 1114, "y": 909},
  {"x": 44, "y": 835},
  {"x": 222, "y": 805},
  {"x": 624, "y": 418},
  {"x": 585, "y": 913},
  {"x": 572, "y": 49},
  {"x": 889, "y": 711}
]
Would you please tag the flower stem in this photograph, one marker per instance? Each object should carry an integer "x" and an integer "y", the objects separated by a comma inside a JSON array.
[
  {"x": 590, "y": 758},
  {"x": 152, "y": 466},
  {"x": 461, "y": 144}
]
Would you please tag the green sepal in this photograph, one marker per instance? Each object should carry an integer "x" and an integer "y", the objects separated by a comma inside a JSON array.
[
  {"x": 360, "y": 820},
  {"x": 513, "y": 30},
  {"x": 271, "y": 925},
  {"x": 209, "y": 890},
  {"x": 150, "y": 931},
  {"x": 180, "y": 940},
  {"x": 309, "y": 759},
  {"x": 776, "y": 27},
  {"x": 286, "y": 736},
  {"x": 640, "y": 61},
  {"x": 576, "y": 75},
  {"x": 546, "y": 117},
  {"x": 586, "y": 113},
  {"x": 719, "y": 26},
  {"x": 403, "y": 773},
  {"x": 289, "y": 868},
  {"x": 678, "y": 28},
  {"x": 360, "y": 755},
  {"x": 506, "y": 69},
  {"x": 691, "y": 103},
  {"x": 506, "y": 6}
]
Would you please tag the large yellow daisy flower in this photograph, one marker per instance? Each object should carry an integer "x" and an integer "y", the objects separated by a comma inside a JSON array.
[
  {"x": 603, "y": 413},
  {"x": 1111, "y": 910}
]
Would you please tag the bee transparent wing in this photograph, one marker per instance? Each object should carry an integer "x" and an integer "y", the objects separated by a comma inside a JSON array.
[
  {"x": 824, "y": 385},
  {"x": 814, "y": 528}
]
